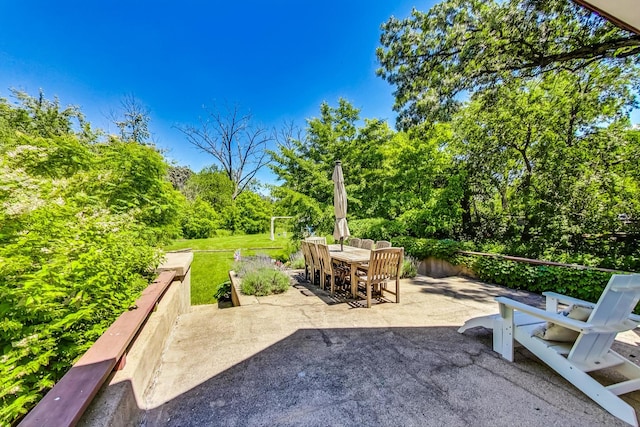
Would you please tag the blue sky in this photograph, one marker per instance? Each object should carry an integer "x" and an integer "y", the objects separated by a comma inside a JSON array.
[{"x": 279, "y": 59}]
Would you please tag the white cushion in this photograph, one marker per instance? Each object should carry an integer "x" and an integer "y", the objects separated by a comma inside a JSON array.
[{"x": 552, "y": 332}]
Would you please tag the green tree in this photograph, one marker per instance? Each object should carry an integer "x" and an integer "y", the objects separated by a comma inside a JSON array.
[
  {"x": 305, "y": 165},
  {"x": 539, "y": 152},
  {"x": 39, "y": 116},
  {"x": 133, "y": 120},
  {"x": 199, "y": 220},
  {"x": 251, "y": 213},
  {"x": 211, "y": 185},
  {"x": 468, "y": 45}
]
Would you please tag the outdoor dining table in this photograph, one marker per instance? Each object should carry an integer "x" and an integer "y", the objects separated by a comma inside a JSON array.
[{"x": 352, "y": 256}]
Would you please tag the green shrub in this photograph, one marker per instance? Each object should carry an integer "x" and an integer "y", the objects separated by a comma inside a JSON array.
[
  {"x": 264, "y": 281},
  {"x": 198, "y": 220},
  {"x": 376, "y": 228},
  {"x": 586, "y": 284},
  {"x": 223, "y": 291},
  {"x": 409, "y": 267},
  {"x": 79, "y": 220},
  {"x": 423, "y": 248},
  {"x": 296, "y": 261},
  {"x": 578, "y": 283}
]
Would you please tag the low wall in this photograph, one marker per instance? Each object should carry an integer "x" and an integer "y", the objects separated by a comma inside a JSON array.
[
  {"x": 438, "y": 268},
  {"x": 120, "y": 401}
]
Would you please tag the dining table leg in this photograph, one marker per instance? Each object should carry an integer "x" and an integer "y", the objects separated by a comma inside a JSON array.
[{"x": 354, "y": 279}]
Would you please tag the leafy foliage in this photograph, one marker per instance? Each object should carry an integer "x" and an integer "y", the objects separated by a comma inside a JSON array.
[
  {"x": 469, "y": 45},
  {"x": 250, "y": 213},
  {"x": 223, "y": 291},
  {"x": 79, "y": 221},
  {"x": 377, "y": 228},
  {"x": 409, "y": 267},
  {"x": 583, "y": 284},
  {"x": 425, "y": 248},
  {"x": 199, "y": 220}
]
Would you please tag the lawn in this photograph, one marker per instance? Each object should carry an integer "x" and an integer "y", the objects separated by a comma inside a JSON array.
[{"x": 209, "y": 269}]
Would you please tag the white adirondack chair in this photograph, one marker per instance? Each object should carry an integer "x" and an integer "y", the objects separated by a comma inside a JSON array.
[{"x": 592, "y": 349}]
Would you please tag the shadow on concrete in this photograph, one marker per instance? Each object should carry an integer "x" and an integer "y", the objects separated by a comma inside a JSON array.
[
  {"x": 474, "y": 290},
  {"x": 342, "y": 294},
  {"x": 393, "y": 376}
]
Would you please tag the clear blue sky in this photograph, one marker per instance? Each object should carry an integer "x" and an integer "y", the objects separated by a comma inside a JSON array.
[{"x": 279, "y": 59}]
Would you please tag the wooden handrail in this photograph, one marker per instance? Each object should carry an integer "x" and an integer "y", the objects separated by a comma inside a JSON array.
[
  {"x": 69, "y": 398},
  {"x": 539, "y": 262}
]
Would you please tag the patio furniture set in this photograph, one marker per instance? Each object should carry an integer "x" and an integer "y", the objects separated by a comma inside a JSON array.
[{"x": 366, "y": 266}]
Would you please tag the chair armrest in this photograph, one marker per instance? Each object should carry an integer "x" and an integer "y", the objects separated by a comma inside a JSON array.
[
  {"x": 568, "y": 300},
  {"x": 575, "y": 325},
  {"x": 549, "y": 316},
  {"x": 626, "y": 325}
]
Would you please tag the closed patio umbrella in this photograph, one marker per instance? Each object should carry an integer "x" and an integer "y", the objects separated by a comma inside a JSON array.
[{"x": 341, "y": 229}]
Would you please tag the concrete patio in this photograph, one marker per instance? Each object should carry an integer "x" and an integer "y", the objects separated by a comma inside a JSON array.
[{"x": 312, "y": 360}]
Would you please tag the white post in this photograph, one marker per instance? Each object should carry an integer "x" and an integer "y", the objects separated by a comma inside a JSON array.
[{"x": 273, "y": 218}]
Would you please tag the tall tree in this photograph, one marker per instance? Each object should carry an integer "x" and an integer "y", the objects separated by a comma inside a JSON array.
[
  {"x": 540, "y": 153},
  {"x": 305, "y": 164},
  {"x": 133, "y": 120},
  {"x": 468, "y": 45},
  {"x": 234, "y": 141}
]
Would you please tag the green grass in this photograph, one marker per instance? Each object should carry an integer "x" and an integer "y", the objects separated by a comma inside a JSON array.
[{"x": 209, "y": 269}]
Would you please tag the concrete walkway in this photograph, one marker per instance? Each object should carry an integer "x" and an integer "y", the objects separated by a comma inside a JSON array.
[{"x": 299, "y": 360}]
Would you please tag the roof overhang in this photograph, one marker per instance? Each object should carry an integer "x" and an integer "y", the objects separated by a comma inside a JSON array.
[{"x": 623, "y": 13}]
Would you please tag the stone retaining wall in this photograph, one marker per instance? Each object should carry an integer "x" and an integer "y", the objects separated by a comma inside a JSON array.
[{"x": 438, "y": 268}]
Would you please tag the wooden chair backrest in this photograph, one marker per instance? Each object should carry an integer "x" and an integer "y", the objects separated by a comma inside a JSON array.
[
  {"x": 306, "y": 253},
  {"x": 385, "y": 264},
  {"x": 367, "y": 244},
  {"x": 381, "y": 244},
  {"x": 615, "y": 305},
  {"x": 355, "y": 242},
  {"x": 324, "y": 258},
  {"x": 317, "y": 239},
  {"x": 313, "y": 251}
]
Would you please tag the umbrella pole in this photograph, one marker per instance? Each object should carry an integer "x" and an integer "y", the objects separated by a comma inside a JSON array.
[{"x": 341, "y": 243}]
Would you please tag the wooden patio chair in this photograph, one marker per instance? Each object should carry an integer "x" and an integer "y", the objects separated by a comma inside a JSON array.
[
  {"x": 326, "y": 267},
  {"x": 354, "y": 242},
  {"x": 589, "y": 349},
  {"x": 367, "y": 244},
  {"x": 385, "y": 265},
  {"x": 381, "y": 244},
  {"x": 308, "y": 261},
  {"x": 316, "y": 267}
]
